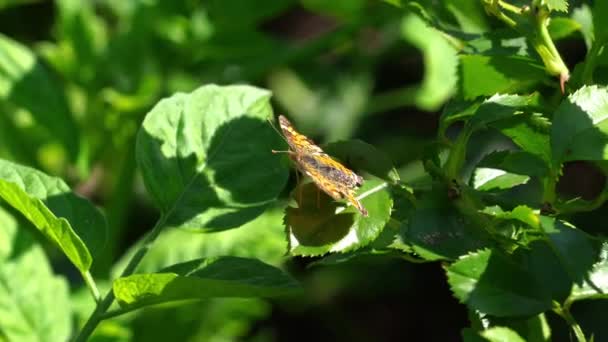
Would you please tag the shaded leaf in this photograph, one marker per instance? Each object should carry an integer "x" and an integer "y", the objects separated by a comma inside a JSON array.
[
  {"x": 516, "y": 162},
  {"x": 316, "y": 228},
  {"x": 437, "y": 231},
  {"x": 206, "y": 157},
  {"x": 70, "y": 222},
  {"x": 580, "y": 126},
  {"x": 25, "y": 83},
  {"x": 205, "y": 278},
  {"x": 493, "y": 284}
]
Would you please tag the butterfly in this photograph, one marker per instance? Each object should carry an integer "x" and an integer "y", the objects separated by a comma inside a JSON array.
[{"x": 328, "y": 174}]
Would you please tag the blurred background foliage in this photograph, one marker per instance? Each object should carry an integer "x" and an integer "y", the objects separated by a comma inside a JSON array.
[{"x": 77, "y": 78}]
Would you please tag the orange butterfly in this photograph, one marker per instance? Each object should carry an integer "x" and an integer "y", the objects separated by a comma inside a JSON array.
[{"x": 329, "y": 175}]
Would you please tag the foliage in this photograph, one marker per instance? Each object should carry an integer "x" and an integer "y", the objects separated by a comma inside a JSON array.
[{"x": 124, "y": 105}]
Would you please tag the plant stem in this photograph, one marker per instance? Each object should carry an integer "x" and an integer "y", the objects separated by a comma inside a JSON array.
[
  {"x": 98, "y": 314},
  {"x": 88, "y": 279},
  {"x": 564, "y": 312}
]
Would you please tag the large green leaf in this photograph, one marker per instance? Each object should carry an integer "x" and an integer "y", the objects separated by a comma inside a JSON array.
[
  {"x": 491, "y": 283},
  {"x": 25, "y": 83},
  {"x": 206, "y": 157},
  {"x": 262, "y": 238},
  {"x": 580, "y": 126},
  {"x": 487, "y": 75},
  {"x": 320, "y": 225},
  {"x": 34, "y": 304},
  {"x": 205, "y": 278},
  {"x": 440, "y": 62},
  {"x": 69, "y": 221},
  {"x": 530, "y": 132}
]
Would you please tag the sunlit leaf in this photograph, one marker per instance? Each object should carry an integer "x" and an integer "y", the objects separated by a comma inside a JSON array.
[
  {"x": 70, "y": 222},
  {"x": 34, "y": 304},
  {"x": 205, "y": 278},
  {"x": 206, "y": 157}
]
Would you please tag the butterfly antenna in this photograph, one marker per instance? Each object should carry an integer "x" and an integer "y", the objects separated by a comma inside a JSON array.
[{"x": 276, "y": 130}]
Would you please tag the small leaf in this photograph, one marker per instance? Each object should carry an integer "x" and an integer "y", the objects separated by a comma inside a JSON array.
[
  {"x": 30, "y": 294},
  {"x": 25, "y": 83},
  {"x": 70, "y": 222},
  {"x": 560, "y": 27},
  {"x": 487, "y": 75},
  {"x": 316, "y": 228},
  {"x": 501, "y": 334},
  {"x": 580, "y": 126},
  {"x": 205, "y": 278},
  {"x": 557, "y": 5},
  {"x": 493, "y": 284},
  {"x": 206, "y": 157},
  {"x": 486, "y": 179},
  {"x": 440, "y": 60}
]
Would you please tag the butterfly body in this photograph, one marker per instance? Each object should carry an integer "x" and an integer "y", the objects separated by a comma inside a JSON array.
[{"x": 329, "y": 175}]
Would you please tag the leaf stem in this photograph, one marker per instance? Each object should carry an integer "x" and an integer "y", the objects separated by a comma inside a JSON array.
[
  {"x": 90, "y": 282},
  {"x": 100, "y": 310},
  {"x": 564, "y": 312}
]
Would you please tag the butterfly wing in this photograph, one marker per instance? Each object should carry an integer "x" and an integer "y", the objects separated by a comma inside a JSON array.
[{"x": 297, "y": 142}]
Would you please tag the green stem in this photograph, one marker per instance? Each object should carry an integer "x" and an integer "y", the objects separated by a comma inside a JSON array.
[
  {"x": 591, "y": 61},
  {"x": 564, "y": 312},
  {"x": 90, "y": 282},
  {"x": 457, "y": 154},
  {"x": 98, "y": 314}
]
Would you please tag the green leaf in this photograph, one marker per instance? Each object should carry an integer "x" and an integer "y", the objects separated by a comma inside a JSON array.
[
  {"x": 440, "y": 62},
  {"x": 25, "y": 83},
  {"x": 557, "y": 5},
  {"x": 206, "y": 157},
  {"x": 600, "y": 31},
  {"x": 323, "y": 226},
  {"x": 595, "y": 285},
  {"x": 486, "y": 179},
  {"x": 30, "y": 295},
  {"x": 561, "y": 27},
  {"x": 491, "y": 283},
  {"x": 437, "y": 231},
  {"x": 205, "y": 278},
  {"x": 363, "y": 157},
  {"x": 516, "y": 162},
  {"x": 487, "y": 75},
  {"x": 531, "y": 133},
  {"x": 500, "y": 107},
  {"x": 580, "y": 126},
  {"x": 70, "y": 222},
  {"x": 501, "y": 334},
  {"x": 470, "y": 15},
  {"x": 262, "y": 238}
]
